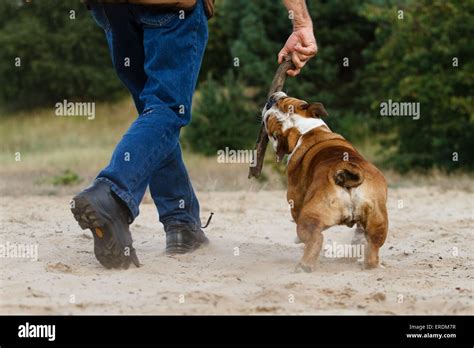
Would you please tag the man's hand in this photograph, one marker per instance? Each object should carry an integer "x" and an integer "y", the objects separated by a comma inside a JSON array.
[
  {"x": 303, "y": 46},
  {"x": 301, "y": 42}
]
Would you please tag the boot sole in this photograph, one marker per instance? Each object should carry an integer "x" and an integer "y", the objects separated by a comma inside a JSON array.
[{"x": 106, "y": 249}]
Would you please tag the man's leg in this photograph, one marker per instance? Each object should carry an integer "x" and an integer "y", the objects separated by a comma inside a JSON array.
[
  {"x": 174, "y": 194},
  {"x": 99, "y": 208},
  {"x": 174, "y": 48},
  {"x": 126, "y": 39},
  {"x": 153, "y": 137},
  {"x": 176, "y": 201}
]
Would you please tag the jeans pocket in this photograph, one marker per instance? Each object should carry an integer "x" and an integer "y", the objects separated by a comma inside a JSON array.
[
  {"x": 100, "y": 17},
  {"x": 154, "y": 17}
]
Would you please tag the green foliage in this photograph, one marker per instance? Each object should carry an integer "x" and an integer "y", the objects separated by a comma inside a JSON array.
[
  {"x": 254, "y": 32},
  {"x": 413, "y": 62},
  {"x": 406, "y": 60},
  {"x": 60, "y": 57},
  {"x": 67, "y": 177},
  {"x": 222, "y": 118}
]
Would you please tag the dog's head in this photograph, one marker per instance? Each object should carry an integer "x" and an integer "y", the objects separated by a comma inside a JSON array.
[{"x": 287, "y": 118}]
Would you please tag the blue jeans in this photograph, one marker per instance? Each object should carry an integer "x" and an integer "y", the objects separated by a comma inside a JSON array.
[{"x": 157, "y": 55}]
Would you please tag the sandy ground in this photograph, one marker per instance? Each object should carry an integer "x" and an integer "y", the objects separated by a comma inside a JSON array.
[{"x": 249, "y": 267}]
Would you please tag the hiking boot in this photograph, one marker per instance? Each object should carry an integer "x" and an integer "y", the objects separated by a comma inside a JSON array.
[
  {"x": 98, "y": 209},
  {"x": 182, "y": 238}
]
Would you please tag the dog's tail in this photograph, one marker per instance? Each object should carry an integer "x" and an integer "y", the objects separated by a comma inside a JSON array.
[{"x": 347, "y": 174}]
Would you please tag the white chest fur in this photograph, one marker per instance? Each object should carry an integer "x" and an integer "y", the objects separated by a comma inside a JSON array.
[{"x": 305, "y": 124}]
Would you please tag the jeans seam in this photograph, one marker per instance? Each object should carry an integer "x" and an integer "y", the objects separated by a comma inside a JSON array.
[
  {"x": 190, "y": 191},
  {"x": 161, "y": 22},
  {"x": 195, "y": 54},
  {"x": 106, "y": 18},
  {"x": 190, "y": 194}
]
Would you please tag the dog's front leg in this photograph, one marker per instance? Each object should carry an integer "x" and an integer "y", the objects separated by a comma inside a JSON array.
[{"x": 310, "y": 233}]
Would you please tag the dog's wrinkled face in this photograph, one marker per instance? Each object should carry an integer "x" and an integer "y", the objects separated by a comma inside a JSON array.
[{"x": 287, "y": 118}]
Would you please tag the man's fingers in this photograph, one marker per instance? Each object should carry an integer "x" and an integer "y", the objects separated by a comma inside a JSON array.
[
  {"x": 300, "y": 55},
  {"x": 303, "y": 57},
  {"x": 293, "y": 72},
  {"x": 297, "y": 61},
  {"x": 309, "y": 51},
  {"x": 283, "y": 53}
]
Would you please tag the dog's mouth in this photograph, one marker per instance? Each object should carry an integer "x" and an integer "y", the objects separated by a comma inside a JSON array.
[
  {"x": 270, "y": 102},
  {"x": 274, "y": 98}
]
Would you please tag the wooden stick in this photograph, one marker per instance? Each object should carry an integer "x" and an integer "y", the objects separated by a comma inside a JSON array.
[{"x": 262, "y": 139}]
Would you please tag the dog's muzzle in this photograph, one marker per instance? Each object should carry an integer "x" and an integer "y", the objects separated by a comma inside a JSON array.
[{"x": 270, "y": 102}]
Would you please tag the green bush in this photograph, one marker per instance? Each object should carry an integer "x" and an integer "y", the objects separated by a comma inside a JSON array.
[
  {"x": 406, "y": 60},
  {"x": 254, "y": 32},
  {"x": 223, "y": 117},
  {"x": 67, "y": 177},
  {"x": 61, "y": 58},
  {"x": 414, "y": 61}
]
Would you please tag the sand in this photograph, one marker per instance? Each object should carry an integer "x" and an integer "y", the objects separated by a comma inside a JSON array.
[{"x": 249, "y": 267}]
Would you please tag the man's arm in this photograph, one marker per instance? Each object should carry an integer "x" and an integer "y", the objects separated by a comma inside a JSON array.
[{"x": 301, "y": 42}]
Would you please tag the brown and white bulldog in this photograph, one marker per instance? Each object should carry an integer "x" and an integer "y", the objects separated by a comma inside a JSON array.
[{"x": 329, "y": 182}]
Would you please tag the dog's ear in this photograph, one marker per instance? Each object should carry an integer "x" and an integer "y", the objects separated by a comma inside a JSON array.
[
  {"x": 315, "y": 110},
  {"x": 282, "y": 150}
]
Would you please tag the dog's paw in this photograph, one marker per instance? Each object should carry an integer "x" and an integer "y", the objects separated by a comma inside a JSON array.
[
  {"x": 369, "y": 266},
  {"x": 301, "y": 267}
]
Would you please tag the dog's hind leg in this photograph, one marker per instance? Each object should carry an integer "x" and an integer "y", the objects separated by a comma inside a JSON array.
[
  {"x": 359, "y": 243},
  {"x": 376, "y": 229},
  {"x": 310, "y": 232},
  {"x": 359, "y": 235}
]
